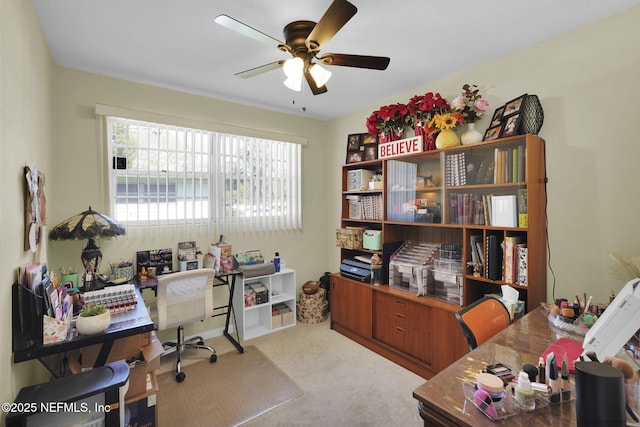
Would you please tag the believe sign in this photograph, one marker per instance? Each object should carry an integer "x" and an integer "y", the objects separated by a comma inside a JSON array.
[{"x": 401, "y": 147}]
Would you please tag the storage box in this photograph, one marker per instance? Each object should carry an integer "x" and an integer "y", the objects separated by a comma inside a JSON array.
[
  {"x": 142, "y": 409},
  {"x": 147, "y": 361},
  {"x": 372, "y": 240},
  {"x": 411, "y": 265},
  {"x": 262, "y": 293},
  {"x": 448, "y": 278},
  {"x": 287, "y": 317},
  {"x": 276, "y": 319},
  {"x": 448, "y": 266},
  {"x": 122, "y": 349},
  {"x": 354, "y": 210},
  {"x": 349, "y": 238},
  {"x": 358, "y": 179}
]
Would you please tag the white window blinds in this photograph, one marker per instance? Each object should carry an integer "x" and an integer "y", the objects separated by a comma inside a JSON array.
[{"x": 170, "y": 175}]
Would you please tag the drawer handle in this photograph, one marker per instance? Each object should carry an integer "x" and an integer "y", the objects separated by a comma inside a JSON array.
[
  {"x": 400, "y": 316},
  {"x": 399, "y": 302},
  {"x": 401, "y": 330}
]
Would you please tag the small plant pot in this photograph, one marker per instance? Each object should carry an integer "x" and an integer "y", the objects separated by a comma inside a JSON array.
[{"x": 92, "y": 325}]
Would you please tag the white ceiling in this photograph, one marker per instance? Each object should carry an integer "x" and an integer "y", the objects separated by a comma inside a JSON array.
[{"x": 176, "y": 44}]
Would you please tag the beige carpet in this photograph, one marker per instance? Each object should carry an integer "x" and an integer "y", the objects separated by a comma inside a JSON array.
[
  {"x": 343, "y": 383},
  {"x": 232, "y": 391}
]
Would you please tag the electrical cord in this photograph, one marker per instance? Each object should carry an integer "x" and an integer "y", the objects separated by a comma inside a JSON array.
[{"x": 546, "y": 218}]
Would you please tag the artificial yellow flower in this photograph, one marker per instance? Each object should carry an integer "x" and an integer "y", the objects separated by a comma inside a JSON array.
[{"x": 444, "y": 121}]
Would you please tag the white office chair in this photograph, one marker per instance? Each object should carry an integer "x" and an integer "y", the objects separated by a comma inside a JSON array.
[{"x": 183, "y": 298}]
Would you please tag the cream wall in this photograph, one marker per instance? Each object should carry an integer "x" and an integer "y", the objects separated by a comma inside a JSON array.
[
  {"x": 587, "y": 81},
  {"x": 25, "y": 138},
  {"x": 81, "y": 180}
]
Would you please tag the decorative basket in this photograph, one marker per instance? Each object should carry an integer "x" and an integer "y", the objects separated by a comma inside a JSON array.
[
  {"x": 532, "y": 115},
  {"x": 349, "y": 238}
]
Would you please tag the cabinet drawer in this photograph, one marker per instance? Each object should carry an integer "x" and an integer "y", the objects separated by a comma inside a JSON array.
[{"x": 390, "y": 306}]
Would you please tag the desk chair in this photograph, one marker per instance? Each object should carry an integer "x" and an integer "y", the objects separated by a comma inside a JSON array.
[
  {"x": 183, "y": 298},
  {"x": 482, "y": 320}
]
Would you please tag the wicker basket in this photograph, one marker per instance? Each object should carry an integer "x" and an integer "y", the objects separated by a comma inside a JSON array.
[
  {"x": 311, "y": 287},
  {"x": 349, "y": 238}
]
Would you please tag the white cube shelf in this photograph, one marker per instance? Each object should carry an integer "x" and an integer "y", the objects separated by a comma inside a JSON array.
[{"x": 256, "y": 320}]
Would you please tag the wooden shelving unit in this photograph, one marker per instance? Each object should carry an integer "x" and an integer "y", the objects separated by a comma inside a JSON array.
[{"x": 420, "y": 332}]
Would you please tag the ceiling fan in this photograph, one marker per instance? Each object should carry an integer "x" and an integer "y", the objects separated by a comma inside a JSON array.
[{"x": 303, "y": 40}]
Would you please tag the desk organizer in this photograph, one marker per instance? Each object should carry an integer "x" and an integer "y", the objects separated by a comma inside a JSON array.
[
  {"x": 508, "y": 406},
  {"x": 411, "y": 266},
  {"x": 31, "y": 326},
  {"x": 557, "y": 322}
]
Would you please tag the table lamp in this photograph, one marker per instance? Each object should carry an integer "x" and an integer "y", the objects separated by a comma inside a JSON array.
[{"x": 89, "y": 225}]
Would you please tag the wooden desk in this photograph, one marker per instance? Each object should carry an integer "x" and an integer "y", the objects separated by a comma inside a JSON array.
[{"x": 522, "y": 342}]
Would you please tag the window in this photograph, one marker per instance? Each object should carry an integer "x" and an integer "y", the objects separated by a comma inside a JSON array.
[{"x": 163, "y": 174}]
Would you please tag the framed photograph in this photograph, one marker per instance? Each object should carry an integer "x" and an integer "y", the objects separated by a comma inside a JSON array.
[
  {"x": 353, "y": 142},
  {"x": 492, "y": 133},
  {"x": 510, "y": 126},
  {"x": 497, "y": 117},
  {"x": 354, "y": 157},
  {"x": 370, "y": 152},
  {"x": 513, "y": 106},
  {"x": 369, "y": 139}
]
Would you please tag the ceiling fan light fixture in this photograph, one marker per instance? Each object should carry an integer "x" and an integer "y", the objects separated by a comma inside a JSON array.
[
  {"x": 293, "y": 67},
  {"x": 320, "y": 75},
  {"x": 293, "y": 83}
]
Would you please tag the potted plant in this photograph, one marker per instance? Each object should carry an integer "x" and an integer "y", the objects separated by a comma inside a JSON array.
[
  {"x": 93, "y": 319},
  {"x": 472, "y": 106},
  {"x": 420, "y": 110},
  {"x": 388, "y": 122}
]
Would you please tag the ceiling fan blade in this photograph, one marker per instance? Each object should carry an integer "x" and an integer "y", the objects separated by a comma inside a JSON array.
[
  {"x": 333, "y": 19},
  {"x": 358, "y": 61},
  {"x": 312, "y": 84},
  {"x": 259, "y": 70},
  {"x": 245, "y": 30}
]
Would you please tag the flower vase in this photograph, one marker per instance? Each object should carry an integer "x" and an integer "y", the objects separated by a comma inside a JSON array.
[
  {"x": 447, "y": 138},
  {"x": 396, "y": 134},
  {"x": 429, "y": 139},
  {"x": 471, "y": 135},
  {"x": 391, "y": 134}
]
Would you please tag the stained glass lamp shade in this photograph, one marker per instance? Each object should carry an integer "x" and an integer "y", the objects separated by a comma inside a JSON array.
[{"x": 89, "y": 225}]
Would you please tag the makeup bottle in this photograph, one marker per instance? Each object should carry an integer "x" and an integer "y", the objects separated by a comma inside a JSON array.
[
  {"x": 542, "y": 378},
  {"x": 554, "y": 381},
  {"x": 524, "y": 393}
]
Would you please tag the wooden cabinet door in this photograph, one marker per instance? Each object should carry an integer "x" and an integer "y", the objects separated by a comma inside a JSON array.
[
  {"x": 351, "y": 305},
  {"x": 419, "y": 342}
]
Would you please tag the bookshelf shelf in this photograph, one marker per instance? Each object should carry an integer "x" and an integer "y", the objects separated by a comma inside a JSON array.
[{"x": 471, "y": 197}]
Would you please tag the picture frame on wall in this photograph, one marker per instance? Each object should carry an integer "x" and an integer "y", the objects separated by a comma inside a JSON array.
[
  {"x": 514, "y": 105},
  {"x": 511, "y": 123},
  {"x": 492, "y": 133},
  {"x": 497, "y": 116}
]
